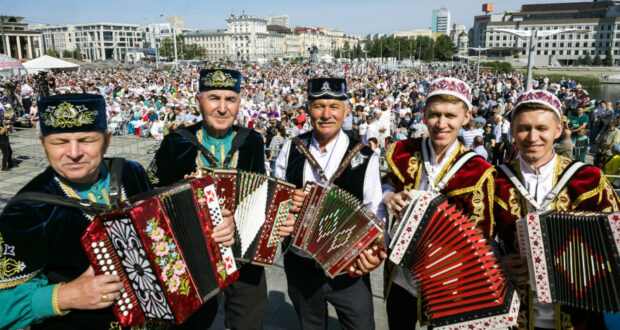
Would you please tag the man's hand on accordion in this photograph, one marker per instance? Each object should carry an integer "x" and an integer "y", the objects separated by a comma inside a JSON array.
[
  {"x": 369, "y": 260},
  {"x": 397, "y": 202},
  {"x": 298, "y": 201},
  {"x": 515, "y": 268},
  {"x": 89, "y": 291},
  {"x": 225, "y": 232},
  {"x": 286, "y": 228}
]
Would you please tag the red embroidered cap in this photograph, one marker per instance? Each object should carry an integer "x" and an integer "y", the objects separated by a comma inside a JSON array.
[
  {"x": 451, "y": 86},
  {"x": 541, "y": 97}
]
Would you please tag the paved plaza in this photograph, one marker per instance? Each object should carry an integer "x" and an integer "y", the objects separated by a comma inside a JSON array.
[{"x": 30, "y": 160}]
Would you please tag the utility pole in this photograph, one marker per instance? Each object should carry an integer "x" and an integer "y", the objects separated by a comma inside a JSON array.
[{"x": 3, "y": 37}]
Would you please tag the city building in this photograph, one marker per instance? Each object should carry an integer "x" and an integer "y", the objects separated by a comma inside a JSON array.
[
  {"x": 412, "y": 34},
  {"x": 281, "y": 20},
  {"x": 600, "y": 19},
  {"x": 176, "y": 22},
  {"x": 440, "y": 21},
  {"x": 251, "y": 38},
  {"x": 153, "y": 34},
  {"x": 456, "y": 31},
  {"x": 18, "y": 41},
  {"x": 375, "y": 36}
]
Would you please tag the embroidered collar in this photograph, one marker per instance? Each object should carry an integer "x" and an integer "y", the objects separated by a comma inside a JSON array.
[{"x": 538, "y": 170}]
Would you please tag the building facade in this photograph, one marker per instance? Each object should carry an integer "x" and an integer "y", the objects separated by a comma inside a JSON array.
[
  {"x": 412, "y": 34},
  {"x": 19, "y": 41},
  {"x": 440, "y": 21},
  {"x": 176, "y": 22},
  {"x": 281, "y": 20},
  {"x": 598, "y": 20}
]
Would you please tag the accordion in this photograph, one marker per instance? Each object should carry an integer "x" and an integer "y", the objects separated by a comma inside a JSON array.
[
  {"x": 333, "y": 227},
  {"x": 260, "y": 205},
  {"x": 160, "y": 245},
  {"x": 573, "y": 258},
  {"x": 459, "y": 280}
]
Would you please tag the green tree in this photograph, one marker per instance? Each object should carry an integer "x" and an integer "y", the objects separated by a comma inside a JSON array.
[
  {"x": 587, "y": 60},
  {"x": 67, "y": 53},
  {"x": 444, "y": 48},
  {"x": 51, "y": 52},
  {"x": 608, "y": 60},
  {"x": 193, "y": 52},
  {"x": 597, "y": 60},
  {"x": 579, "y": 61}
]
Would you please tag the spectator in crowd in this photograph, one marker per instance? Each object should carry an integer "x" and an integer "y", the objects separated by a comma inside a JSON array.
[
  {"x": 578, "y": 122},
  {"x": 469, "y": 134},
  {"x": 564, "y": 145},
  {"x": 582, "y": 145},
  {"x": 478, "y": 147},
  {"x": 275, "y": 145}
]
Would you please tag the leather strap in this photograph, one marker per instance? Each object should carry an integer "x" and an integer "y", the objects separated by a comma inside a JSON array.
[
  {"x": 311, "y": 160},
  {"x": 552, "y": 195},
  {"x": 242, "y": 134},
  {"x": 116, "y": 176},
  {"x": 465, "y": 157},
  {"x": 346, "y": 161},
  {"x": 37, "y": 197}
]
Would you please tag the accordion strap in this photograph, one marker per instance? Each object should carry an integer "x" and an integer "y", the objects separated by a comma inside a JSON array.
[
  {"x": 37, "y": 197},
  {"x": 238, "y": 140},
  {"x": 116, "y": 175},
  {"x": 315, "y": 164},
  {"x": 551, "y": 196},
  {"x": 455, "y": 168}
]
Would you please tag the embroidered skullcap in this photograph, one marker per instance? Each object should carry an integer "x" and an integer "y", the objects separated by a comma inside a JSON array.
[
  {"x": 68, "y": 113},
  {"x": 225, "y": 79},
  {"x": 451, "y": 86},
  {"x": 327, "y": 88},
  {"x": 540, "y": 97}
]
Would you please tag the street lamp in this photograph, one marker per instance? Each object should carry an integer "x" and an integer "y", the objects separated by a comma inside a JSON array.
[
  {"x": 479, "y": 49},
  {"x": 533, "y": 35}
]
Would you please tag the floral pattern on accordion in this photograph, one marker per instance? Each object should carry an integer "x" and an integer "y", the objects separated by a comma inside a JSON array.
[
  {"x": 220, "y": 266},
  {"x": 173, "y": 269}
]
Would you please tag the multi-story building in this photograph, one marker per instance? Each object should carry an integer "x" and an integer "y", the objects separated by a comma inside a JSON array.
[
  {"x": 95, "y": 41},
  {"x": 412, "y": 34},
  {"x": 176, "y": 22},
  {"x": 19, "y": 41},
  {"x": 153, "y": 34},
  {"x": 249, "y": 38},
  {"x": 600, "y": 20},
  {"x": 281, "y": 20},
  {"x": 440, "y": 21},
  {"x": 456, "y": 31}
]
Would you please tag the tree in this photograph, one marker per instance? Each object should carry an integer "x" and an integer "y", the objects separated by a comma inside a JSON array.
[
  {"x": 588, "y": 59},
  {"x": 192, "y": 52},
  {"x": 51, "y": 52},
  {"x": 67, "y": 53},
  {"x": 579, "y": 61},
  {"x": 166, "y": 48},
  {"x": 597, "y": 60},
  {"x": 444, "y": 48},
  {"x": 608, "y": 60}
]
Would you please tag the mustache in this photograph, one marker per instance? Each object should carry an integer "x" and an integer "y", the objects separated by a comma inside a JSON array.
[{"x": 327, "y": 121}]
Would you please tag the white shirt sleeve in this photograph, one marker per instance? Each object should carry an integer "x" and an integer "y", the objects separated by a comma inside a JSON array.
[{"x": 373, "y": 194}]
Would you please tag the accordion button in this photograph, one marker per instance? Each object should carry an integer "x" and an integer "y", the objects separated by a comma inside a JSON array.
[
  {"x": 101, "y": 262},
  {"x": 93, "y": 245},
  {"x": 104, "y": 268},
  {"x": 130, "y": 306},
  {"x": 101, "y": 244},
  {"x": 109, "y": 261},
  {"x": 125, "y": 313},
  {"x": 107, "y": 273},
  {"x": 104, "y": 250},
  {"x": 123, "y": 308},
  {"x": 114, "y": 273},
  {"x": 107, "y": 256},
  {"x": 98, "y": 256},
  {"x": 111, "y": 266},
  {"x": 127, "y": 301},
  {"x": 96, "y": 249},
  {"x": 120, "y": 302},
  {"x": 125, "y": 295}
]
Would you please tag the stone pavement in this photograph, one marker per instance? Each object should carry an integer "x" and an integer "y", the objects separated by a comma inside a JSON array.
[{"x": 30, "y": 160}]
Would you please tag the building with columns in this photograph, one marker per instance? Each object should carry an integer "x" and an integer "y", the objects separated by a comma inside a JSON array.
[{"x": 19, "y": 42}]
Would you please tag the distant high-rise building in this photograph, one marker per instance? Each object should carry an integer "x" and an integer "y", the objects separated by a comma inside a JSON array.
[
  {"x": 440, "y": 21},
  {"x": 176, "y": 22},
  {"x": 281, "y": 20}
]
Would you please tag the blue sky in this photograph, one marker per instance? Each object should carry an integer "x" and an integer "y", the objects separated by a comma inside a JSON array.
[{"x": 355, "y": 17}]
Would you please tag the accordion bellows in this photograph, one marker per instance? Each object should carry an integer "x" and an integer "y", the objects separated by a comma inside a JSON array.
[
  {"x": 459, "y": 279},
  {"x": 573, "y": 258},
  {"x": 260, "y": 205},
  {"x": 160, "y": 245},
  {"x": 333, "y": 227}
]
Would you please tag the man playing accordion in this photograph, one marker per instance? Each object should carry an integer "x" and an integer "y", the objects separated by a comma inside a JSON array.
[
  {"x": 533, "y": 182},
  {"x": 216, "y": 142},
  {"x": 40, "y": 229},
  {"x": 440, "y": 163},
  {"x": 318, "y": 159}
]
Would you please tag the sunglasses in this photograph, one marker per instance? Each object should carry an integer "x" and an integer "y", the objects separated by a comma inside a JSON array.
[{"x": 488, "y": 127}]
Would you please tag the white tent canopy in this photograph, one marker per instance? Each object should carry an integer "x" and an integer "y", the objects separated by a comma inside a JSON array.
[{"x": 48, "y": 63}]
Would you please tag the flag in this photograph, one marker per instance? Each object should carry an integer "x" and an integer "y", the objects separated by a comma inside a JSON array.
[{"x": 173, "y": 89}]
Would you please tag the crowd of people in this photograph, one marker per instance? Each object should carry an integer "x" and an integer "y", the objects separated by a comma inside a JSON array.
[{"x": 423, "y": 123}]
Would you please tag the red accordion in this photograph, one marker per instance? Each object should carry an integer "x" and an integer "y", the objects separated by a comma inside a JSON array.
[
  {"x": 161, "y": 247},
  {"x": 573, "y": 258},
  {"x": 459, "y": 279},
  {"x": 260, "y": 204},
  {"x": 334, "y": 227}
]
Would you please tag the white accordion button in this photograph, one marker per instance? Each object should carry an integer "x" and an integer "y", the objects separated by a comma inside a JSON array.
[
  {"x": 107, "y": 273},
  {"x": 127, "y": 301},
  {"x": 124, "y": 294},
  {"x": 104, "y": 250},
  {"x": 93, "y": 245},
  {"x": 104, "y": 268},
  {"x": 111, "y": 266},
  {"x": 120, "y": 302},
  {"x": 125, "y": 313},
  {"x": 109, "y": 261},
  {"x": 123, "y": 307},
  {"x": 107, "y": 255},
  {"x": 114, "y": 273},
  {"x": 99, "y": 256},
  {"x": 130, "y": 306},
  {"x": 96, "y": 249},
  {"x": 101, "y": 244},
  {"x": 101, "y": 262}
]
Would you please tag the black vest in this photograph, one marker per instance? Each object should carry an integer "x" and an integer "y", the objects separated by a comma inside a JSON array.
[{"x": 351, "y": 179}]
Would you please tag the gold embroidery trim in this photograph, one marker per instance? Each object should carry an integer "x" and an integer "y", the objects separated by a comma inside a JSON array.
[
  {"x": 500, "y": 202},
  {"x": 57, "y": 310},
  {"x": 478, "y": 186},
  {"x": 449, "y": 163},
  {"x": 562, "y": 202},
  {"x": 391, "y": 163},
  {"x": 15, "y": 283},
  {"x": 588, "y": 194}
]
